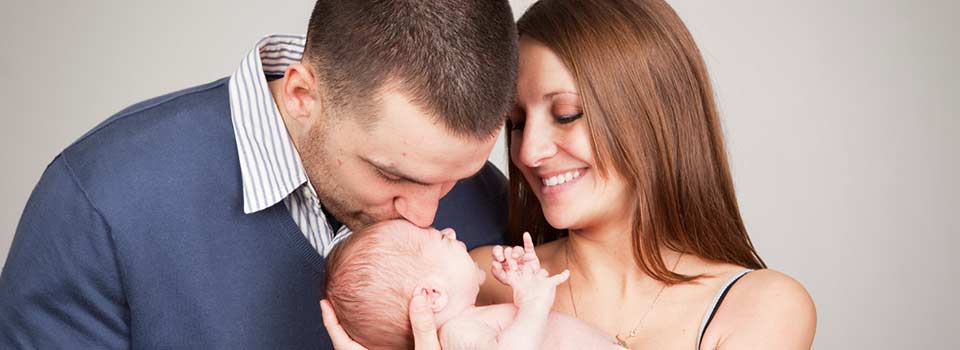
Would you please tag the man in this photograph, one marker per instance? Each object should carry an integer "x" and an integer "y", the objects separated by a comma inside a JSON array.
[{"x": 201, "y": 219}]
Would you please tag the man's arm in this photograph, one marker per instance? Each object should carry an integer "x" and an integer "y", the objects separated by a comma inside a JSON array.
[{"x": 61, "y": 286}]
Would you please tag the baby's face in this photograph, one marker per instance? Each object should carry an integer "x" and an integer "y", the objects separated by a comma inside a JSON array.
[
  {"x": 454, "y": 262},
  {"x": 450, "y": 260}
]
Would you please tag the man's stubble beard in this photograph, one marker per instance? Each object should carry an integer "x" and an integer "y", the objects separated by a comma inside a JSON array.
[{"x": 319, "y": 163}]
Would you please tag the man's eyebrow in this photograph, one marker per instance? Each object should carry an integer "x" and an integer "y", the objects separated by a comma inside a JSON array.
[{"x": 395, "y": 172}]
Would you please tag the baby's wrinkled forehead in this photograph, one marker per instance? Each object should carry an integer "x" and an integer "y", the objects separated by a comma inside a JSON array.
[
  {"x": 392, "y": 232},
  {"x": 392, "y": 240}
]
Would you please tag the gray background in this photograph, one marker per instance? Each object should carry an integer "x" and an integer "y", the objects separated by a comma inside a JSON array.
[{"x": 841, "y": 116}]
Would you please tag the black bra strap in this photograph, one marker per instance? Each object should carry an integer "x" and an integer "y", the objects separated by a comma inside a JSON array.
[{"x": 716, "y": 306}]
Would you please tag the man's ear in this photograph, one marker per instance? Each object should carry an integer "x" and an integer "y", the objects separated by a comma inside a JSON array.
[
  {"x": 436, "y": 296},
  {"x": 301, "y": 94}
]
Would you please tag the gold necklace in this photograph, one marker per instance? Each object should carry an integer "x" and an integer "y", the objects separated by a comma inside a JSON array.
[{"x": 622, "y": 341}]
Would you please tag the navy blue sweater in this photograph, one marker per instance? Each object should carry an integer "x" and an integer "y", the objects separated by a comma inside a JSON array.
[{"x": 135, "y": 237}]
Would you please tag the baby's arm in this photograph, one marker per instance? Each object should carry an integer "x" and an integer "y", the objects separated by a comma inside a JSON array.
[{"x": 533, "y": 293}]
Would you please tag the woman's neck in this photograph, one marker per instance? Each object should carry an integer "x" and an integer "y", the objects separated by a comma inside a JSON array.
[{"x": 605, "y": 256}]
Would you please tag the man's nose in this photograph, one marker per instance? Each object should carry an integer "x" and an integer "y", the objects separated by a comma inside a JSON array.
[{"x": 420, "y": 206}]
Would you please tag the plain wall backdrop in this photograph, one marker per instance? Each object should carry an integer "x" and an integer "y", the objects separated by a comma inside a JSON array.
[{"x": 841, "y": 119}]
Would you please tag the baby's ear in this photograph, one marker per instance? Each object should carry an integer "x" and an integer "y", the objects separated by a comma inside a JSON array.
[{"x": 437, "y": 297}]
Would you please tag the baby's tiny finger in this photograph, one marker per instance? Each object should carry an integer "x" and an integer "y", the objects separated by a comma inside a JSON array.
[
  {"x": 497, "y": 270},
  {"x": 512, "y": 263},
  {"x": 527, "y": 242},
  {"x": 517, "y": 252},
  {"x": 498, "y": 253}
]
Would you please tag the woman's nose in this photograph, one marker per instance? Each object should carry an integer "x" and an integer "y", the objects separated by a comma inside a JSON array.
[{"x": 536, "y": 145}]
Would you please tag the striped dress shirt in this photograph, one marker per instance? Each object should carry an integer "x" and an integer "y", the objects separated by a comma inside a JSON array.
[{"x": 270, "y": 165}]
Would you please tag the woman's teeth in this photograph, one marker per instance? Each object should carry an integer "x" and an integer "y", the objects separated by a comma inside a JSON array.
[{"x": 561, "y": 178}]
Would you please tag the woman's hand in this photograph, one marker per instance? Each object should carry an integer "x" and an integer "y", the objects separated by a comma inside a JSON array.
[{"x": 421, "y": 320}]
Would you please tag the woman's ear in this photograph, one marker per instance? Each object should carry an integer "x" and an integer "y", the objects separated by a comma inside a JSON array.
[{"x": 437, "y": 297}]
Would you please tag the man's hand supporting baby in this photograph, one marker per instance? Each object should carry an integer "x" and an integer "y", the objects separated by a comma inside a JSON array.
[
  {"x": 421, "y": 320},
  {"x": 534, "y": 291}
]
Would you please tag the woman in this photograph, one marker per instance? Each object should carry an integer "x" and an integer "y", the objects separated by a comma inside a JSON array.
[{"x": 619, "y": 170}]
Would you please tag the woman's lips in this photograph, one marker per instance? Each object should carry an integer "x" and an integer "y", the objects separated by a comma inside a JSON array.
[{"x": 559, "y": 182}]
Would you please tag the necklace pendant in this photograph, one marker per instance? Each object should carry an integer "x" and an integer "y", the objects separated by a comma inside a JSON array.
[{"x": 621, "y": 342}]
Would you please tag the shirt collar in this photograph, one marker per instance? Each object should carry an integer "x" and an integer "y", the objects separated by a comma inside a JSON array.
[{"x": 270, "y": 165}]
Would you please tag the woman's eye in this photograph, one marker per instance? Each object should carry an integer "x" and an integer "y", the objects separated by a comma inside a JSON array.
[{"x": 569, "y": 118}]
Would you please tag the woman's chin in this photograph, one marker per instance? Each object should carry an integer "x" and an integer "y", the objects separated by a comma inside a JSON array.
[{"x": 559, "y": 220}]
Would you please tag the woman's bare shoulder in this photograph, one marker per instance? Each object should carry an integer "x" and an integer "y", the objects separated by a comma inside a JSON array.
[{"x": 764, "y": 309}]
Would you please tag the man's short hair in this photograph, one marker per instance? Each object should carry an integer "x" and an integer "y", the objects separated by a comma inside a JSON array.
[{"x": 457, "y": 59}]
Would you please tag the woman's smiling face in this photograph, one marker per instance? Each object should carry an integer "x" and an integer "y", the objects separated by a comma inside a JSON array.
[{"x": 550, "y": 144}]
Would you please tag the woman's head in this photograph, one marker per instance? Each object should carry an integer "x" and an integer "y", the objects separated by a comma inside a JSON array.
[
  {"x": 551, "y": 146},
  {"x": 648, "y": 146}
]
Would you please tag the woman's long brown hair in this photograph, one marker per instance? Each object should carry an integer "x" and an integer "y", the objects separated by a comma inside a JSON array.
[{"x": 649, "y": 106}]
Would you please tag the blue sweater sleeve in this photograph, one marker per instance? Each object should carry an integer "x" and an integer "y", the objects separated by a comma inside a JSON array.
[{"x": 61, "y": 286}]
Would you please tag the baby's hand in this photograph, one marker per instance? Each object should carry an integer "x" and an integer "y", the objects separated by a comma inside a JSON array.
[
  {"x": 517, "y": 256},
  {"x": 533, "y": 287}
]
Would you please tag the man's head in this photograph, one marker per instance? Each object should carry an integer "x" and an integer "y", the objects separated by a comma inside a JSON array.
[
  {"x": 373, "y": 275},
  {"x": 395, "y": 101}
]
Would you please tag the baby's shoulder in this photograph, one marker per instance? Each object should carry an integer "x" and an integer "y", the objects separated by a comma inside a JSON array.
[{"x": 467, "y": 332}]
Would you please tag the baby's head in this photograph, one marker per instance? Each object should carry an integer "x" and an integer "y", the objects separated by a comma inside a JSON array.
[{"x": 373, "y": 275}]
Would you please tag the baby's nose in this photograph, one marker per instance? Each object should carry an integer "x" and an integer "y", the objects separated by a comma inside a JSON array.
[{"x": 448, "y": 233}]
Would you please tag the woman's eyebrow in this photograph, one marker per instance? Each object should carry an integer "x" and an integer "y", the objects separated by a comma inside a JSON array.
[{"x": 553, "y": 94}]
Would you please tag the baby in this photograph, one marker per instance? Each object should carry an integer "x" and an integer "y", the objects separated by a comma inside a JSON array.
[{"x": 372, "y": 276}]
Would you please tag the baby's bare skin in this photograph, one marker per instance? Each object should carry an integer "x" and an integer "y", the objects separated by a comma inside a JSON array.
[
  {"x": 449, "y": 280},
  {"x": 527, "y": 324}
]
